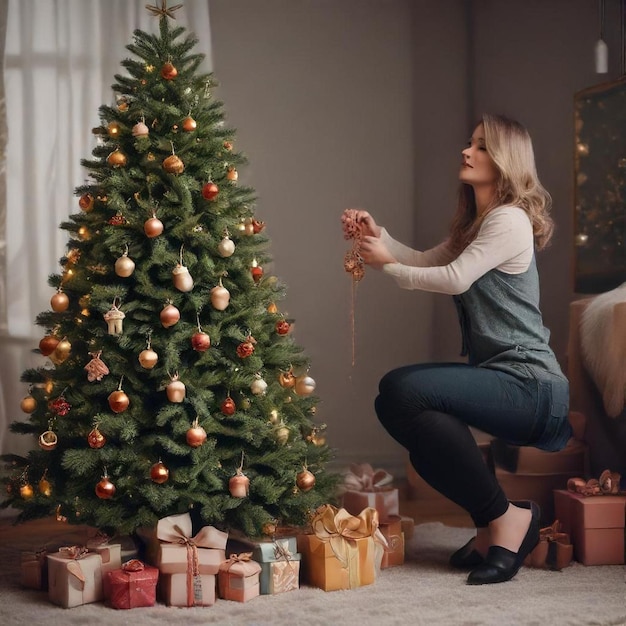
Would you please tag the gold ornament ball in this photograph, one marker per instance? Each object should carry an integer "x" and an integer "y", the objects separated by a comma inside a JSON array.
[
  {"x": 220, "y": 297},
  {"x": 124, "y": 266},
  {"x": 61, "y": 352},
  {"x": 28, "y": 404},
  {"x": 232, "y": 174},
  {"x": 169, "y": 315},
  {"x": 159, "y": 473},
  {"x": 118, "y": 401},
  {"x": 305, "y": 480},
  {"x": 282, "y": 435},
  {"x": 153, "y": 227},
  {"x": 189, "y": 124},
  {"x": 116, "y": 159},
  {"x": 269, "y": 529},
  {"x": 59, "y": 302},
  {"x": 45, "y": 488},
  {"x": 304, "y": 386},
  {"x": 26, "y": 492},
  {"x": 173, "y": 165},
  {"x": 148, "y": 358},
  {"x": 105, "y": 489}
]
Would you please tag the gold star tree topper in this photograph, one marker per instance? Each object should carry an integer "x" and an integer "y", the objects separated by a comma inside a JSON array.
[{"x": 163, "y": 9}]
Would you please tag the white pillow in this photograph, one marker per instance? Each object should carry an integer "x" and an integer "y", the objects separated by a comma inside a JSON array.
[{"x": 603, "y": 346}]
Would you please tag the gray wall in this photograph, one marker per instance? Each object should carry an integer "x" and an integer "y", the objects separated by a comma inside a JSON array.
[{"x": 367, "y": 103}]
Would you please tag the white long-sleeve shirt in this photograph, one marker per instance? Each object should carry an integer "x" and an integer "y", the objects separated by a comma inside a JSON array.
[{"x": 504, "y": 241}]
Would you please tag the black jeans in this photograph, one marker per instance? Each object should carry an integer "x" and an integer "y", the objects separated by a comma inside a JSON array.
[{"x": 429, "y": 408}]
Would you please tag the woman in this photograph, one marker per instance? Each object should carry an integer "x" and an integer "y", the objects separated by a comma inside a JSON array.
[{"x": 512, "y": 386}]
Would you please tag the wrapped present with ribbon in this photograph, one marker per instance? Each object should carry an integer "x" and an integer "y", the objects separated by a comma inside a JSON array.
[
  {"x": 279, "y": 560},
  {"x": 111, "y": 554},
  {"x": 366, "y": 487},
  {"x": 554, "y": 550},
  {"x": 34, "y": 569},
  {"x": 189, "y": 562},
  {"x": 74, "y": 577},
  {"x": 238, "y": 578},
  {"x": 391, "y": 529},
  {"x": 344, "y": 551},
  {"x": 132, "y": 585}
]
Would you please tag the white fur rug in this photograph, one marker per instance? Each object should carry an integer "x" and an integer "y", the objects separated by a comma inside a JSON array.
[{"x": 423, "y": 592}]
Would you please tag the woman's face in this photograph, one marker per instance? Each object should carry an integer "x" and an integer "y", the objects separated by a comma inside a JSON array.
[{"x": 478, "y": 168}]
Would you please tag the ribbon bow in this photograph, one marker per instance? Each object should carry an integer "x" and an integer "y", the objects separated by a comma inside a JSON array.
[
  {"x": 363, "y": 477},
  {"x": 243, "y": 564},
  {"x": 607, "y": 484},
  {"x": 281, "y": 551},
  {"x": 74, "y": 554},
  {"x": 134, "y": 565},
  {"x": 341, "y": 530}
]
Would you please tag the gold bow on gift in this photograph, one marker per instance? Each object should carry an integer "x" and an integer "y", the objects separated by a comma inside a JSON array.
[
  {"x": 74, "y": 553},
  {"x": 364, "y": 478},
  {"x": 607, "y": 484},
  {"x": 554, "y": 550},
  {"x": 341, "y": 530}
]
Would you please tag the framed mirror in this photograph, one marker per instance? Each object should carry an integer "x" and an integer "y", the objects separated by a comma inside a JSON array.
[{"x": 600, "y": 188}]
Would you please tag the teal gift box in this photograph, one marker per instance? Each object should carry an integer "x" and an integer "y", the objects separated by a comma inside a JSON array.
[{"x": 279, "y": 560}]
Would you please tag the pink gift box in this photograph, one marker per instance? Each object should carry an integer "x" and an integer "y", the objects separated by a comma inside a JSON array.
[
  {"x": 133, "y": 585},
  {"x": 72, "y": 582},
  {"x": 34, "y": 570},
  {"x": 595, "y": 525},
  {"x": 238, "y": 578}
]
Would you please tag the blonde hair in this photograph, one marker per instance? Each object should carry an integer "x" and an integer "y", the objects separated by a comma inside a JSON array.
[{"x": 509, "y": 145}]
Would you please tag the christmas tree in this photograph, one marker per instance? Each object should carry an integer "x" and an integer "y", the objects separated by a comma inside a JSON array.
[{"x": 174, "y": 383}]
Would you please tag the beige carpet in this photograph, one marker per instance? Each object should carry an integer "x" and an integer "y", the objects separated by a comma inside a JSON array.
[{"x": 424, "y": 591}]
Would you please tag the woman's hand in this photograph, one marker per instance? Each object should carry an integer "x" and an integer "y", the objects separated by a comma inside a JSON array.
[
  {"x": 357, "y": 218},
  {"x": 375, "y": 253}
]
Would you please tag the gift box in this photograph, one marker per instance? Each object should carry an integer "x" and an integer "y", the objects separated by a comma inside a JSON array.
[
  {"x": 111, "y": 555},
  {"x": 554, "y": 550},
  {"x": 279, "y": 561},
  {"x": 344, "y": 552},
  {"x": 391, "y": 529},
  {"x": 595, "y": 525},
  {"x": 132, "y": 585},
  {"x": 74, "y": 577},
  {"x": 34, "y": 569},
  {"x": 238, "y": 578},
  {"x": 369, "y": 488},
  {"x": 176, "y": 590},
  {"x": 189, "y": 564}
]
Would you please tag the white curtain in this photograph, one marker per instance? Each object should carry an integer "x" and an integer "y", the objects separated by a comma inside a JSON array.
[{"x": 60, "y": 59}]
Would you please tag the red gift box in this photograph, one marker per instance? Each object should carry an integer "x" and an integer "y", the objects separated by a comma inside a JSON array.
[
  {"x": 595, "y": 524},
  {"x": 133, "y": 585}
]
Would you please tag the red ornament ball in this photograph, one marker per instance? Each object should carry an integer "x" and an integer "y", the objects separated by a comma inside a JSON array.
[
  {"x": 210, "y": 191},
  {"x": 283, "y": 327},
  {"x": 105, "y": 489},
  {"x": 228, "y": 406}
]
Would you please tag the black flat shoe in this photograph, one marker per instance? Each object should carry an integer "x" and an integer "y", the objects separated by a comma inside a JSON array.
[
  {"x": 466, "y": 557},
  {"x": 501, "y": 564}
]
